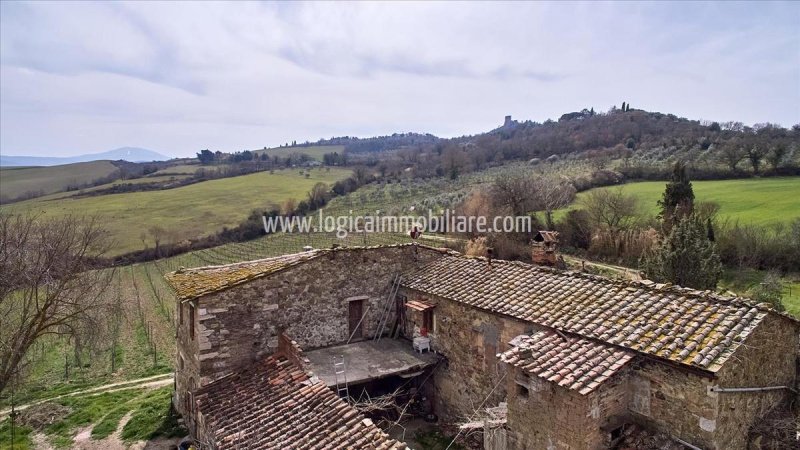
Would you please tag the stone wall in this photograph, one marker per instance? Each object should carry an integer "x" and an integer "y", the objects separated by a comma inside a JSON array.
[
  {"x": 187, "y": 361},
  {"x": 543, "y": 415},
  {"x": 682, "y": 404},
  {"x": 309, "y": 302},
  {"x": 673, "y": 401},
  {"x": 767, "y": 358},
  {"x": 470, "y": 339}
]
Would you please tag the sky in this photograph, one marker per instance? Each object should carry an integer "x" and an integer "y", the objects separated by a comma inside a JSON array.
[{"x": 179, "y": 77}]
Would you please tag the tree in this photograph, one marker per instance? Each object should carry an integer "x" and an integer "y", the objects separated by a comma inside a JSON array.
[
  {"x": 678, "y": 198},
  {"x": 158, "y": 233},
  {"x": 612, "y": 210},
  {"x": 732, "y": 154},
  {"x": 551, "y": 194},
  {"x": 319, "y": 195},
  {"x": 776, "y": 155},
  {"x": 47, "y": 282},
  {"x": 576, "y": 229},
  {"x": 686, "y": 257},
  {"x": 205, "y": 156},
  {"x": 755, "y": 153},
  {"x": 517, "y": 192}
]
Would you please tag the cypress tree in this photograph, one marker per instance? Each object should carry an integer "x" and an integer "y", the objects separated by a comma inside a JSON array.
[
  {"x": 686, "y": 257},
  {"x": 678, "y": 198}
]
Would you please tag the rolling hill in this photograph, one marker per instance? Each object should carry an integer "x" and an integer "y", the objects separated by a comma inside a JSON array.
[
  {"x": 130, "y": 154},
  {"x": 187, "y": 212},
  {"x": 18, "y": 181}
]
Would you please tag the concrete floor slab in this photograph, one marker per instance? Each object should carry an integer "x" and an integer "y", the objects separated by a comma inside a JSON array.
[{"x": 369, "y": 360}]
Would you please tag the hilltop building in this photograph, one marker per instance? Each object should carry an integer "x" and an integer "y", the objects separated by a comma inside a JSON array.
[{"x": 573, "y": 361}]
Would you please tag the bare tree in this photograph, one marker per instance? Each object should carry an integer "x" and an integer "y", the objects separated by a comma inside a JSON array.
[
  {"x": 516, "y": 192},
  {"x": 319, "y": 194},
  {"x": 551, "y": 194},
  {"x": 732, "y": 154},
  {"x": 755, "y": 153},
  {"x": 158, "y": 233},
  {"x": 777, "y": 155},
  {"x": 47, "y": 282},
  {"x": 612, "y": 210}
]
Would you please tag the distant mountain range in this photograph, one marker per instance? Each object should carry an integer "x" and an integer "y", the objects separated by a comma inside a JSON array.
[{"x": 131, "y": 154}]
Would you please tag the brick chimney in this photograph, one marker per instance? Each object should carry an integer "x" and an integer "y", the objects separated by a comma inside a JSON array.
[{"x": 544, "y": 248}]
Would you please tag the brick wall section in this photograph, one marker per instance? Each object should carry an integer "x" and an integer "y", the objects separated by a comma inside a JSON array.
[
  {"x": 470, "y": 339},
  {"x": 767, "y": 358},
  {"x": 553, "y": 417},
  {"x": 239, "y": 326},
  {"x": 292, "y": 351}
]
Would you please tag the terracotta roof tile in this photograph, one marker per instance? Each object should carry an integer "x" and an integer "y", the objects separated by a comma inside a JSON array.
[
  {"x": 275, "y": 405},
  {"x": 572, "y": 362},
  {"x": 695, "y": 328}
]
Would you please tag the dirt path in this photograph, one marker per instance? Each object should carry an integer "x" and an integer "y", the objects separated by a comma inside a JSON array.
[
  {"x": 148, "y": 382},
  {"x": 623, "y": 272}
]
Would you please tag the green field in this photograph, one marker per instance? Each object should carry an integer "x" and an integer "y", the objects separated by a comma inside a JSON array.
[
  {"x": 755, "y": 201},
  {"x": 314, "y": 151},
  {"x": 16, "y": 181},
  {"x": 190, "y": 211}
]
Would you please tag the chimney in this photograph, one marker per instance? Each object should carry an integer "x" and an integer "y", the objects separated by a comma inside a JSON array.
[
  {"x": 544, "y": 248},
  {"x": 489, "y": 254}
]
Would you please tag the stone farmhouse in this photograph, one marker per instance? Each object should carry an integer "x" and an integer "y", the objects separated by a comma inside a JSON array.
[{"x": 269, "y": 349}]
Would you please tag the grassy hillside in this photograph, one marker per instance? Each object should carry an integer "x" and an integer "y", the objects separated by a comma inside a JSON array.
[
  {"x": 314, "y": 151},
  {"x": 191, "y": 211},
  {"x": 757, "y": 201},
  {"x": 18, "y": 181}
]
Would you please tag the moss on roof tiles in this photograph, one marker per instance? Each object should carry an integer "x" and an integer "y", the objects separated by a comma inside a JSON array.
[{"x": 613, "y": 311}]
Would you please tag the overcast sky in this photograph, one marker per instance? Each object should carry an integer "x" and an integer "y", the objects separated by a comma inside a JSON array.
[{"x": 178, "y": 77}]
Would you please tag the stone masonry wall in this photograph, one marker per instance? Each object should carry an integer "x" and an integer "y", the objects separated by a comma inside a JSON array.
[
  {"x": 673, "y": 401},
  {"x": 767, "y": 358},
  {"x": 549, "y": 416},
  {"x": 682, "y": 404},
  {"x": 187, "y": 361},
  {"x": 240, "y": 325}
]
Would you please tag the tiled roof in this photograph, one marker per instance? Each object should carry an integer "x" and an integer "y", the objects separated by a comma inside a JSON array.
[
  {"x": 570, "y": 362},
  {"x": 418, "y": 305},
  {"x": 275, "y": 405},
  {"x": 696, "y": 328},
  {"x": 192, "y": 283}
]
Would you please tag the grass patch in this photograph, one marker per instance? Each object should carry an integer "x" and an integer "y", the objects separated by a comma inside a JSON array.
[
  {"x": 314, "y": 151},
  {"x": 22, "y": 437},
  {"x": 755, "y": 201},
  {"x": 86, "y": 410},
  {"x": 154, "y": 417}
]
